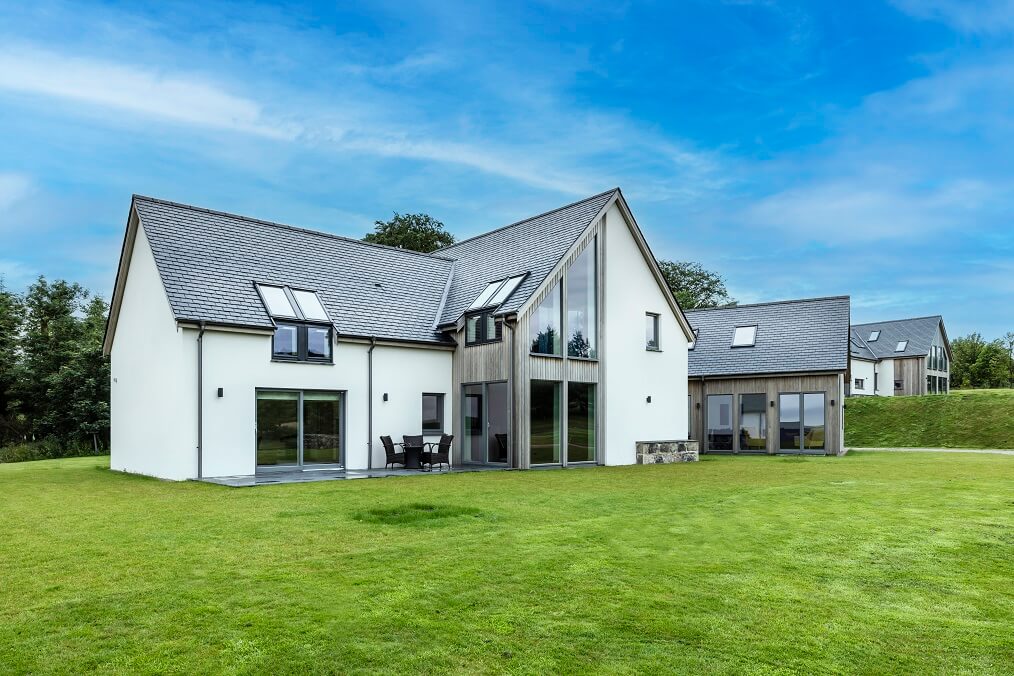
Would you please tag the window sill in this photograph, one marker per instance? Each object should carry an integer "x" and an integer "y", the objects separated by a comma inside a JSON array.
[
  {"x": 593, "y": 360},
  {"x": 276, "y": 360},
  {"x": 547, "y": 356},
  {"x": 652, "y": 349},
  {"x": 482, "y": 342}
]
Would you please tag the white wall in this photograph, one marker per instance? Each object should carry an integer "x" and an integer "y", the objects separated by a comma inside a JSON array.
[
  {"x": 864, "y": 370},
  {"x": 885, "y": 378},
  {"x": 633, "y": 373},
  {"x": 153, "y": 415},
  {"x": 241, "y": 363}
]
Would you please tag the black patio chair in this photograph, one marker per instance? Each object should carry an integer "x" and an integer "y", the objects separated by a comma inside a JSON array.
[
  {"x": 441, "y": 456},
  {"x": 414, "y": 447},
  {"x": 393, "y": 456}
]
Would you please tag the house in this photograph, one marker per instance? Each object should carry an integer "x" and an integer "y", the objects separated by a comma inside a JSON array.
[
  {"x": 769, "y": 377},
  {"x": 903, "y": 357},
  {"x": 239, "y": 345}
]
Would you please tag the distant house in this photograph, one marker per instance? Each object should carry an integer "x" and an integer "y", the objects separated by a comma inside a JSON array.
[
  {"x": 240, "y": 346},
  {"x": 770, "y": 377},
  {"x": 903, "y": 357}
]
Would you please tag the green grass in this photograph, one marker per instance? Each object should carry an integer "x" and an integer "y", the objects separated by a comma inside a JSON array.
[
  {"x": 871, "y": 563},
  {"x": 961, "y": 419}
]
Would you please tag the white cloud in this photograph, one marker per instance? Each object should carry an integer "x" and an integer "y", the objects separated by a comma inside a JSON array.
[
  {"x": 13, "y": 189},
  {"x": 967, "y": 16},
  {"x": 180, "y": 98}
]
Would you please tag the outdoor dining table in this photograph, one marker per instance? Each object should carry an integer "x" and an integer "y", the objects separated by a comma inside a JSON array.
[{"x": 413, "y": 456}]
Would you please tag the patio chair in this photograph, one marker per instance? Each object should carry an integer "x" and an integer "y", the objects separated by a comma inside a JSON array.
[
  {"x": 414, "y": 447},
  {"x": 393, "y": 456},
  {"x": 441, "y": 456}
]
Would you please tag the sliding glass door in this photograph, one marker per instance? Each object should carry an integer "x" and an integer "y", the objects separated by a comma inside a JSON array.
[
  {"x": 297, "y": 428},
  {"x": 801, "y": 426}
]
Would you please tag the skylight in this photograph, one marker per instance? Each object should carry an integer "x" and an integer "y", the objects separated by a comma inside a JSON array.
[
  {"x": 874, "y": 335},
  {"x": 277, "y": 301},
  {"x": 744, "y": 336},
  {"x": 281, "y": 301},
  {"x": 496, "y": 292},
  {"x": 310, "y": 305},
  {"x": 901, "y": 346}
]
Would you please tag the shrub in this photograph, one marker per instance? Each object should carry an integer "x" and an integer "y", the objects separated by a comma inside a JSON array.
[{"x": 45, "y": 450}]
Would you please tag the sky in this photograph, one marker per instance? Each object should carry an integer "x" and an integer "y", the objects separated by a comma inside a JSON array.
[{"x": 799, "y": 149}]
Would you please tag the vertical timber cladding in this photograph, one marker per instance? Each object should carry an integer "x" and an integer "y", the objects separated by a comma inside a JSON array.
[
  {"x": 911, "y": 371},
  {"x": 560, "y": 369},
  {"x": 830, "y": 384},
  {"x": 474, "y": 364}
]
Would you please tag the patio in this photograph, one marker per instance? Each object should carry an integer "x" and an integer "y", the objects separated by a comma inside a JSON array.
[{"x": 280, "y": 476}]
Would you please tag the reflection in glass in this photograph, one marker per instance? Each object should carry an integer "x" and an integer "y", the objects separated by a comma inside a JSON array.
[
  {"x": 813, "y": 420},
  {"x": 321, "y": 427},
  {"x": 719, "y": 422},
  {"x": 788, "y": 421},
  {"x": 544, "y": 331},
  {"x": 581, "y": 311},
  {"x": 277, "y": 428},
  {"x": 475, "y": 425},
  {"x": 545, "y": 422},
  {"x": 580, "y": 422},
  {"x": 498, "y": 413},
  {"x": 753, "y": 423},
  {"x": 318, "y": 342},
  {"x": 286, "y": 341}
]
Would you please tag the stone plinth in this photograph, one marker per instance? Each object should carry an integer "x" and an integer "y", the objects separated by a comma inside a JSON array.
[{"x": 652, "y": 452}]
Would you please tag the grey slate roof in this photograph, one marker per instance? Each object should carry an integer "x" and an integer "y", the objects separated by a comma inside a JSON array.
[
  {"x": 792, "y": 336},
  {"x": 919, "y": 332},
  {"x": 210, "y": 260},
  {"x": 534, "y": 245}
]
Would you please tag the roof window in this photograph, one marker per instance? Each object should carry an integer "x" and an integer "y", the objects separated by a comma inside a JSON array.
[
  {"x": 496, "y": 292},
  {"x": 744, "y": 336},
  {"x": 281, "y": 301},
  {"x": 874, "y": 335},
  {"x": 901, "y": 346}
]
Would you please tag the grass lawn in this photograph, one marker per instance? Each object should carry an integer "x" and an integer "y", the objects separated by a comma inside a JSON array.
[
  {"x": 961, "y": 419},
  {"x": 870, "y": 563}
]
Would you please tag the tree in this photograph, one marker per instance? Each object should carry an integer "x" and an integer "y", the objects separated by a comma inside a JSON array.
[
  {"x": 976, "y": 363},
  {"x": 418, "y": 232},
  {"x": 11, "y": 312},
  {"x": 694, "y": 286},
  {"x": 1008, "y": 339}
]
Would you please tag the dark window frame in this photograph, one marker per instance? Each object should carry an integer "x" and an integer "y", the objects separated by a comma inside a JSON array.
[
  {"x": 484, "y": 324},
  {"x": 440, "y": 429},
  {"x": 656, "y": 329},
  {"x": 302, "y": 355}
]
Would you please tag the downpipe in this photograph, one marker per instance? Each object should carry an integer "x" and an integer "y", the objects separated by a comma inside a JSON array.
[
  {"x": 369, "y": 403},
  {"x": 200, "y": 402}
]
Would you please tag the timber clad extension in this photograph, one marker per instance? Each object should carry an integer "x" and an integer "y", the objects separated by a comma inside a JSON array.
[
  {"x": 903, "y": 357},
  {"x": 770, "y": 378}
]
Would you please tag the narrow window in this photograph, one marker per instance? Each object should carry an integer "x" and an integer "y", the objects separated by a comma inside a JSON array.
[
  {"x": 432, "y": 413},
  {"x": 544, "y": 329},
  {"x": 719, "y": 422},
  {"x": 753, "y": 423},
  {"x": 285, "y": 344},
  {"x": 581, "y": 306},
  {"x": 744, "y": 336},
  {"x": 545, "y": 422},
  {"x": 651, "y": 331},
  {"x": 860, "y": 384}
]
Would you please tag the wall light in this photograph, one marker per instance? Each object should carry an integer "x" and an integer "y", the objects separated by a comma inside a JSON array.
[
  {"x": 649, "y": 398},
  {"x": 221, "y": 392},
  {"x": 772, "y": 403},
  {"x": 385, "y": 396}
]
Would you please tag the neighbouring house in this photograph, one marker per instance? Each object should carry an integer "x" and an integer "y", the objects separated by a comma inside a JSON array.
[
  {"x": 769, "y": 377},
  {"x": 903, "y": 357},
  {"x": 239, "y": 345}
]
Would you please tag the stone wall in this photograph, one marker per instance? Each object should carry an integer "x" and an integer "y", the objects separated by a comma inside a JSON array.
[{"x": 652, "y": 452}]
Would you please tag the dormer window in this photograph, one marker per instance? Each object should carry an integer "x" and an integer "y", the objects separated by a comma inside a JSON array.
[
  {"x": 901, "y": 346},
  {"x": 303, "y": 331},
  {"x": 482, "y": 327},
  {"x": 874, "y": 335},
  {"x": 744, "y": 336}
]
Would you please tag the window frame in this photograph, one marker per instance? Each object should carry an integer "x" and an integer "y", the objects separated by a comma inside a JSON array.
[
  {"x": 302, "y": 355},
  {"x": 440, "y": 399},
  {"x": 656, "y": 329},
  {"x": 860, "y": 383},
  {"x": 484, "y": 323},
  {"x": 753, "y": 337}
]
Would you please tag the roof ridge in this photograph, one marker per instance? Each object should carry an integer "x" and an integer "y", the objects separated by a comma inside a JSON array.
[
  {"x": 286, "y": 226},
  {"x": 894, "y": 321},
  {"x": 530, "y": 218},
  {"x": 770, "y": 302}
]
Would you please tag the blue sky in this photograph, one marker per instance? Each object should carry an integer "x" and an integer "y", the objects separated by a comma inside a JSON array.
[{"x": 800, "y": 149}]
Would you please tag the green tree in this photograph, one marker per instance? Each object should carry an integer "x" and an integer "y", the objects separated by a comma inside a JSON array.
[
  {"x": 694, "y": 286},
  {"x": 11, "y": 312},
  {"x": 418, "y": 232},
  {"x": 977, "y": 363},
  {"x": 1008, "y": 339}
]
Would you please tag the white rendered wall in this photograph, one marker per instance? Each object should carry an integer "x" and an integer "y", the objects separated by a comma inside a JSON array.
[
  {"x": 241, "y": 364},
  {"x": 153, "y": 415},
  {"x": 864, "y": 370},
  {"x": 632, "y": 373},
  {"x": 885, "y": 378}
]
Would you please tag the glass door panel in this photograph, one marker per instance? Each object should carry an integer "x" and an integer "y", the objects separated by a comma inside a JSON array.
[
  {"x": 753, "y": 423},
  {"x": 277, "y": 428},
  {"x": 580, "y": 422},
  {"x": 321, "y": 427},
  {"x": 498, "y": 422},
  {"x": 788, "y": 422},
  {"x": 544, "y": 423},
  {"x": 813, "y": 420},
  {"x": 474, "y": 424},
  {"x": 719, "y": 422}
]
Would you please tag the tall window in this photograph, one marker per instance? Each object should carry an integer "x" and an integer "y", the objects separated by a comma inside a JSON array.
[
  {"x": 581, "y": 305},
  {"x": 432, "y": 413},
  {"x": 580, "y": 422},
  {"x": 544, "y": 331},
  {"x": 719, "y": 422},
  {"x": 753, "y": 423},
  {"x": 651, "y": 331},
  {"x": 545, "y": 422}
]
